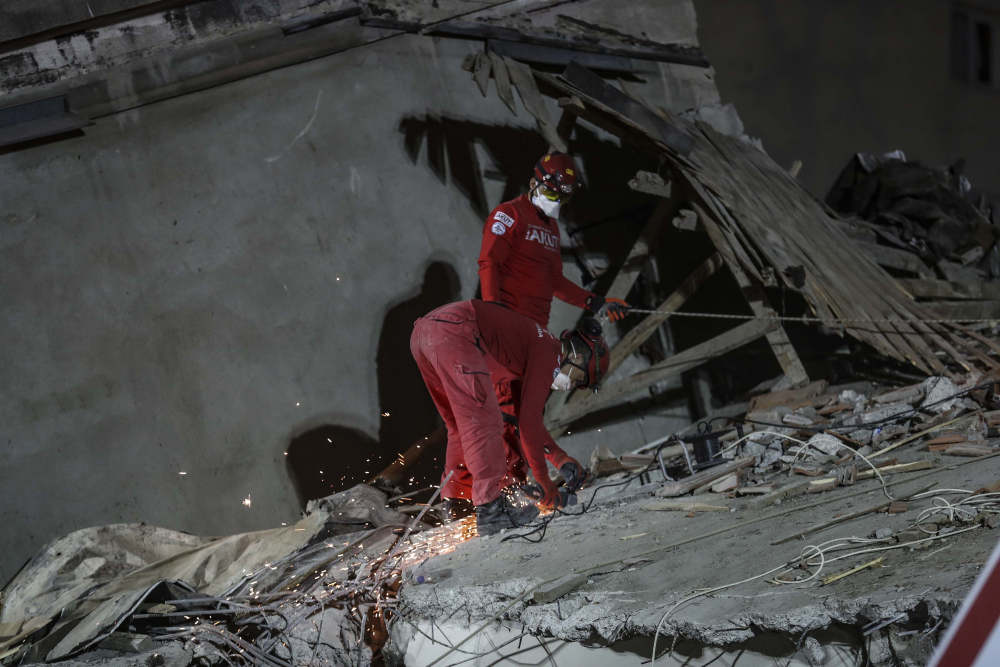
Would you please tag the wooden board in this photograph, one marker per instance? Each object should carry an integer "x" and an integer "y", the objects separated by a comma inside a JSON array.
[
  {"x": 942, "y": 289},
  {"x": 531, "y": 99},
  {"x": 689, "y": 484},
  {"x": 789, "y": 398},
  {"x": 502, "y": 77}
]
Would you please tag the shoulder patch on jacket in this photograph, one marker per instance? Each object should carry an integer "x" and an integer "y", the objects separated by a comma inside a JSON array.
[
  {"x": 498, "y": 228},
  {"x": 504, "y": 218}
]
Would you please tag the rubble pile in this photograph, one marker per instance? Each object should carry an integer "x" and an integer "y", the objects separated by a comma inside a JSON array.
[
  {"x": 922, "y": 210},
  {"x": 316, "y": 590},
  {"x": 356, "y": 582},
  {"x": 835, "y": 435},
  {"x": 923, "y": 459}
]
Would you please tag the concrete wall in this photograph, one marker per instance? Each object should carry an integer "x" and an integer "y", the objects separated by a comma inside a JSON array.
[
  {"x": 818, "y": 81},
  {"x": 196, "y": 282}
]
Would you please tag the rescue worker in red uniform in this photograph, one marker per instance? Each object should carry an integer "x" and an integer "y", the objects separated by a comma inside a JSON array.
[
  {"x": 520, "y": 266},
  {"x": 451, "y": 346}
]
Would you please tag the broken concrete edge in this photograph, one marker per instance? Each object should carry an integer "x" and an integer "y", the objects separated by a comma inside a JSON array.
[{"x": 581, "y": 616}]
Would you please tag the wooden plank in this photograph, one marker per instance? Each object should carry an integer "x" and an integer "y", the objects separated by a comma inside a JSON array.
[
  {"x": 639, "y": 255},
  {"x": 864, "y": 285},
  {"x": 963, "y": 310},
  {"x": 642, "y": 331},
  {"x": 550, "y": 55},
  {"x": 988, "y": 342},
  {"x": 567, "y": 122},
  {"x": 825, "y": 247},
  {"x": 520, "y": 75},
  {"x": 969, "y": 450},
  {"x": 942, "y": 289},
  {"x": 619, "y": 392},
  {"x": 914, "y": 436},
  {"x": 670, "y": 53},
  {"x": 689, "y": 484},
  {"x": 502, "y": 77},
  {"x": 753, "y": 292},
  {"x": 790, "y": 398},
  {"x": 683, "y": 506},
  {"x": 894, "y": 258},
  {"x": 595, "y": 87},
  {"x": 622, "y": 285},
  {"x": 629, "y": 133},
  {"x": 604, "y": 117},
  {"x": 895, "y": 469},
  {"x": 481, "y": 71}
]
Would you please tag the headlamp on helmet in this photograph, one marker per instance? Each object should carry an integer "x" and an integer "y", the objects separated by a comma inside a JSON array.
[{"x": 556, "y": 175}]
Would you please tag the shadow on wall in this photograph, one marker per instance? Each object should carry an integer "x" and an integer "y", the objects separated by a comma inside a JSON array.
[
  {"x": 597, "y": 210},
  {"x": 402, "y": 394},
  {"x": 451, "y": 146},
  {"x": 328, "y": 459}
]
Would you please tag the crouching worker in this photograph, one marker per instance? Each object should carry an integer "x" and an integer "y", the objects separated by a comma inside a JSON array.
[{"x": 450, "y": 346}]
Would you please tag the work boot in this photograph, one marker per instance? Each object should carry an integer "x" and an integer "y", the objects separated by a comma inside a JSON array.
[
  {"x": 513, "y": 509},
  {"x": 456, "y": 509}
]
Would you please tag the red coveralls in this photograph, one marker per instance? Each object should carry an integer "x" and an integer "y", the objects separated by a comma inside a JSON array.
[
  {"x": 450, "y": 346},
  {"x": 520, "y": 265}
]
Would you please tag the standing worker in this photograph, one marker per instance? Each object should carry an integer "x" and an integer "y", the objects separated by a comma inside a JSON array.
[
  {"x": 451, "y": 346},
  {"x": 520, "y": 266}
]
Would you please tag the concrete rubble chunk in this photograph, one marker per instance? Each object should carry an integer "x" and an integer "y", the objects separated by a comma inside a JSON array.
[
  {"x": 938, "y": 390},
  {"x": 126, "y": 642},
  {"x": 558, "y": 588}
]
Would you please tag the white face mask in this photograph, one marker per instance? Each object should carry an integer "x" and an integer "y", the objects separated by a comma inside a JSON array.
[
  {"x": 562, "y": 382},
  {"x": 547, "y": 206}
]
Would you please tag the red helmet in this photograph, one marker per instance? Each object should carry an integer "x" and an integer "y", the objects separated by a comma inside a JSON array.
[
  {"x": 597, "y": 353},
  {"x": 556, "y": 172}
]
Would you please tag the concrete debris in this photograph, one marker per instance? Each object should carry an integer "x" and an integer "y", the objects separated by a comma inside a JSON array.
[{"x": 939, "y": 392}]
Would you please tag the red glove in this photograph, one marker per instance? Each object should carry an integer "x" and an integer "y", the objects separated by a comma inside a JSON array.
[
  {"x": 551, "y": 499},
  {"x": 614, "y": 310}
]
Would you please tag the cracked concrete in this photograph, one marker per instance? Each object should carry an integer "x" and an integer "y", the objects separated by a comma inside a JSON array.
[{"x": 619, "y": 602}]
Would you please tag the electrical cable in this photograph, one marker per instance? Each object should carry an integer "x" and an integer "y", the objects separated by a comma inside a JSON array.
[
  {"x": 810, "y": 320},
  {"x": 809, "y": 554},
  {"x": 544, "y": 523}
]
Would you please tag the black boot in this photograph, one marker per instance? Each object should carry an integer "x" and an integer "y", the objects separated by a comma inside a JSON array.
[
  {"x": 456, "y": 509},
  {"x": 513, "y": 509}
]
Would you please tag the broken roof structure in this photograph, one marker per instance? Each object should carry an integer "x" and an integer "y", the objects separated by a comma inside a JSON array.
[{"x": 765, "y": 226}]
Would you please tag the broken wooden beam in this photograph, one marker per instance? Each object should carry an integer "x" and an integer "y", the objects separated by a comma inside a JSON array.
[
  {"x": 621, "y": 391},
  {"x": 689, "y": 484},
  {"x": 969, "y": 449}
]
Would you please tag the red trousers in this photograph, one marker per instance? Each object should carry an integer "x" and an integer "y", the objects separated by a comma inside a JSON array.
[
  {"x": 508, "y": 393},
  {"x": 458, "y": 379}
]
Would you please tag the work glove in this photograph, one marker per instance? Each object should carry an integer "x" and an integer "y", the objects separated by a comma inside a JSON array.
[
  {"x": 550, "y": 493},
  {"x": 612, "y": 310},
  {"x": 573, "y": 473}
]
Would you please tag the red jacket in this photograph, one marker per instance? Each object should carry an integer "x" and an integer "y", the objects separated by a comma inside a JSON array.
[
  {"x": 531, "y": 353},
  {"x": 520, "y": 264}
]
